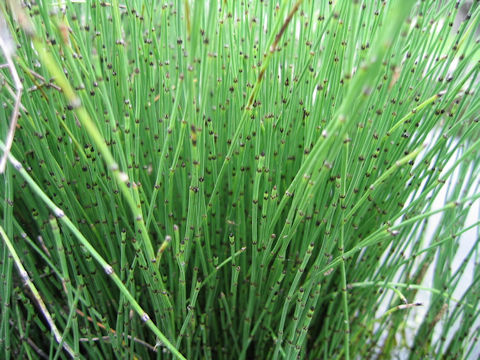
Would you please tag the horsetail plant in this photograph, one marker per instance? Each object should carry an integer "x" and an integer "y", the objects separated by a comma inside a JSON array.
[{"x": 240, "y": 179}]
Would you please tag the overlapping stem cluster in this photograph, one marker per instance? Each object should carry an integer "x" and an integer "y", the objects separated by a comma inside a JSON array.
[{"x": 253, "y": 179}]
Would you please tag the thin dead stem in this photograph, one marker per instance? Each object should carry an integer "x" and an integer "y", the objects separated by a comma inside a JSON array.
[{"x": 8, "y": 52}]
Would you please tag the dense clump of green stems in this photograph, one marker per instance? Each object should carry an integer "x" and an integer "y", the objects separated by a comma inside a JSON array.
[{"x": 240, "y": 179}]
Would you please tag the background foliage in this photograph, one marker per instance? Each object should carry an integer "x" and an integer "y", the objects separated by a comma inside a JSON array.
[{"x": 257, "y": 177}]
